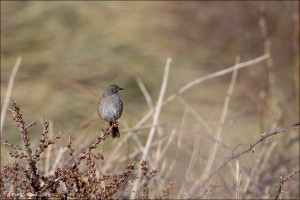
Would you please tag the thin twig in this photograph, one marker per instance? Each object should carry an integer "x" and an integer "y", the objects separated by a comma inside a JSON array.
[
  {"x": 158, "y": 108},
  {"x": 177, "y": 156},
  {"x": 202, "y": 79},
  {"x": 190, "y": 166},
  {"x": 283, "y": 180},
  {"x": 217, "y": 74},
  {"x": 31, "y": 124},
  {"x": 49, "y": 150},
  {"x": 11, "y": 145},
  {"x": 92, "y": 146},
  {"x": 166, "y": 146},
  {"x": 237, "y": 179},
  {"x": 250, "y": 148},
  {"x": 221, "y": 122},
  {"x": 272, "y": 101},
  {"x": 194, "y": 113},
  {"x": 9, "y": 90},
  {"x": 130, "y": 131},
  {"x": 264, "y": 163},
  {"x": 155, "y": 120},
  {"x": 254, "y": 168},
  {"x": 134, "y": 154},
  {"x": 150, "y": 105},
  {"x": 194, "y": 155},
  {"x": 59, "y": 155},
  {"x": 145, "y": 93},
  {"x": 124, "y": 140}
]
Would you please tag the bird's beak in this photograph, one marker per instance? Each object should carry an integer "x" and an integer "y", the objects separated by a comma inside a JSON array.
[{"x": 121, "y": 88}]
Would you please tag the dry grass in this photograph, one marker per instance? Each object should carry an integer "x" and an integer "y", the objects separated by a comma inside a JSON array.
[
  {"x": 81, "y": 177},
  {"x": 204, "y": 130},
  {"x": 26, "y": 177}
]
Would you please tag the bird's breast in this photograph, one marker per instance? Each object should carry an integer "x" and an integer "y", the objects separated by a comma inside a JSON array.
[{"x": 110, "y": 108}]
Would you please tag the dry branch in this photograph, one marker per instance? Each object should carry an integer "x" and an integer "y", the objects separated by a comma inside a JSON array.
[
  {"x": 155, "y": 119},
  {"x": 237, "y": 155},
  {"x": 283, "y": 180}
]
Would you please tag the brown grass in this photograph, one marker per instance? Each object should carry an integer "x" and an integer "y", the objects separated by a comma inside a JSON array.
[{"x": 202, "y": 132}]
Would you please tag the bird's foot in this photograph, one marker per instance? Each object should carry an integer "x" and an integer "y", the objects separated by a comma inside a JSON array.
[
  {"x": 105, "y": 128},
  {"x": 115, "y": 124}
]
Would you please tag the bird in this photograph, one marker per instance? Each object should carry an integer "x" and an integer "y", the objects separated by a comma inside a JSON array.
[{"x": 110, "y": 108}]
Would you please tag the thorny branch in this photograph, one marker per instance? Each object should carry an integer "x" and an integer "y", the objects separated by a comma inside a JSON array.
[
  {"x": 79, "y": 159},
  {"x": 250, "y": 148},
  {"x": 283, "y": 180}
]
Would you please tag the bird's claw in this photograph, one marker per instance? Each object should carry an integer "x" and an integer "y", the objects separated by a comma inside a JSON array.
[
  {"x": 116, "y": 124},
  {"x": 105, "y": 128}
]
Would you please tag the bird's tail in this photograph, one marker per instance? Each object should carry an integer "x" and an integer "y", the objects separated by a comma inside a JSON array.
[{"x": 115, "y": 130}]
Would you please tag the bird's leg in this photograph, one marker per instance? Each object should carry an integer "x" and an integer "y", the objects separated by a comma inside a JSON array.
[
  {"x": 116, "y": 124},
  {"x": 105, "y": 128}
]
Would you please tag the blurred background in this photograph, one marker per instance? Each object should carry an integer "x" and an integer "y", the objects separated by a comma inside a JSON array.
[{"x": 72, "y": 50}]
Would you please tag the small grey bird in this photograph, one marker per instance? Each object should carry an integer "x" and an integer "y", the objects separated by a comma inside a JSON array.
[{"x": 110, "y": 107}]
